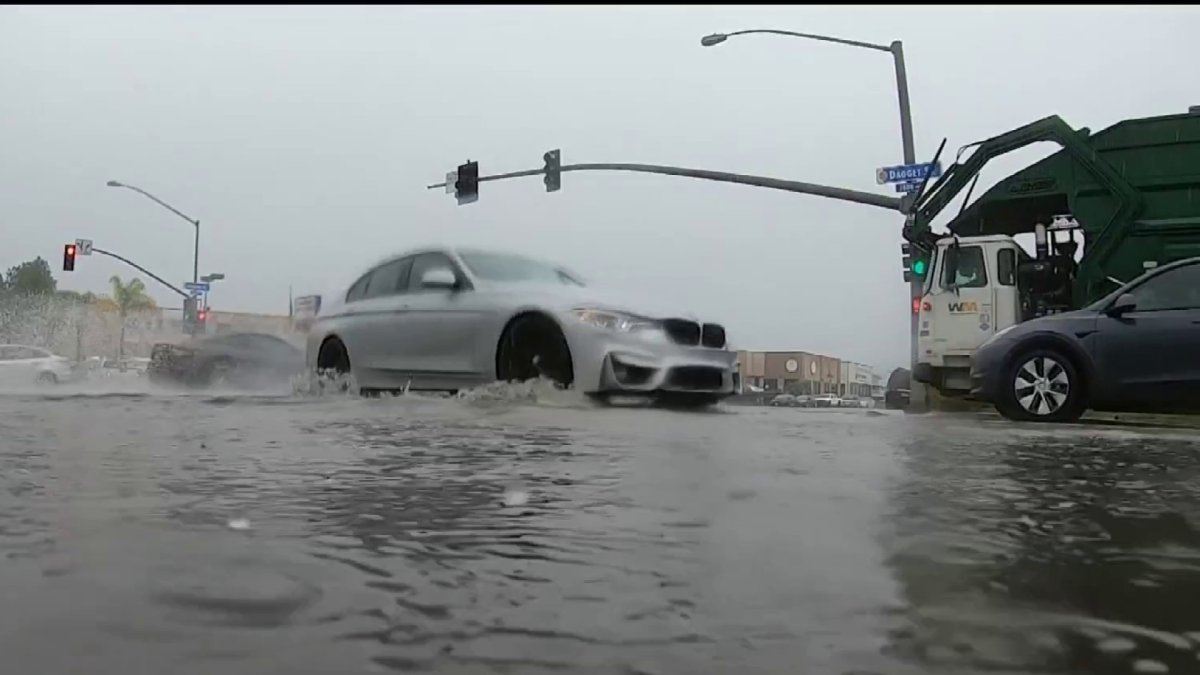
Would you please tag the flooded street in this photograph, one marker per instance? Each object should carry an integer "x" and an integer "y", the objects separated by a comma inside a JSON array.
[{"x": 154, "y": 532}]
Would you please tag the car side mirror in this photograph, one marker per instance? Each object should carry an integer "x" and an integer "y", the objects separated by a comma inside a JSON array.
[
  {"x": 439, "y": 278},
  {"x": 1124, "y": 303}
]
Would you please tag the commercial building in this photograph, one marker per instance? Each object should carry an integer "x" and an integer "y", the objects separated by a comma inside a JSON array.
[
  {"x": 791, "y": 372},
  {"x": 797, "y": 372}
]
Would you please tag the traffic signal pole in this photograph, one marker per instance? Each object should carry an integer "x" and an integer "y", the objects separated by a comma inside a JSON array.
[{"x": 141, "y": 269}]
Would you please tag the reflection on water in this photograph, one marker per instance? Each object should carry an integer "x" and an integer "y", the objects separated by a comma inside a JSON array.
[
  {"x": 525, "y": 530},
  {"x": 1045, "y": 553}
]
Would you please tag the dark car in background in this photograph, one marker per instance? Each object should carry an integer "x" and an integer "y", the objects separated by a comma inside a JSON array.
[
  {"x": 1135, "y": 350},
  {"x": 237, "y": 359}
]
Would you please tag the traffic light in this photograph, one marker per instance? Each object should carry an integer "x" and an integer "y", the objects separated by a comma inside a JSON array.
[
  {"x": 466, "y": 185},
  {"x": 915, "y": 260},
  {"x": 553, "y": 170},
  {"x": 69, "y": 258},
  {"x": 189, "y": 315},
  {"x": 201, "y": 316}
]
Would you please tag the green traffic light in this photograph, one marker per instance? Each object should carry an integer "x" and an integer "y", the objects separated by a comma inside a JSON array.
[{"x": 918, "y": 268}]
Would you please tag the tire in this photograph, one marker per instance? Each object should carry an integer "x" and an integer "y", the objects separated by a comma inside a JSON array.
[
  {"x": 47, "y": 377},
  {"x": 1042, "y": 385},
  {"x": 333, "y": 360},
  {"x": 534, "y": 346}
]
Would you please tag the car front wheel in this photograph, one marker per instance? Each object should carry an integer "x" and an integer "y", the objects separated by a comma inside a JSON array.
[{"x": 1042, "y": 386}]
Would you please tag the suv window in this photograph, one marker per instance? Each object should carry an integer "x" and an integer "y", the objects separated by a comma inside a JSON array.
[
  {"x": 425, "y": 262},
  {"x": 387, "y": 278},
  {"x": 971, "y": 273},
  {"x": 1176, "y": 289}
]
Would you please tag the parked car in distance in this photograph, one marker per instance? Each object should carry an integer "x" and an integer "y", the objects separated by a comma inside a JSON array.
[
  {"x": 783, "y": 401},
  {"x": 1135, "y": 350},
  {"x": 453, "y": 318},
  {"x": 827, "y": 401},
  {"x": 253, "y": 360},
  {"x": 896, "y": 399},
  {"x": 23, "y": 364}
]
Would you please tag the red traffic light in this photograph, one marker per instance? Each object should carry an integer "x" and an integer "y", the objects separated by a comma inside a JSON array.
[
  {"x": 69, "y": 258},
  {"x": 916, "y": 305},
  {"x": 202, "y": 315}
]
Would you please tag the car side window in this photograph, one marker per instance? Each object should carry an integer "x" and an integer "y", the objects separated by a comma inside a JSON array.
[
  {"x": 424, "y": 263},
  {"x": 388, "y": 279},
  {"x": 1175, "y": 289},
  {"x": 359, "y": 289}
]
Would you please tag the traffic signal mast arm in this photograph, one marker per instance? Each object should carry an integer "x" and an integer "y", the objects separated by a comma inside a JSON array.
[
  {"x": 138, "y": 267},
  {"x": 844, "y": 194}
]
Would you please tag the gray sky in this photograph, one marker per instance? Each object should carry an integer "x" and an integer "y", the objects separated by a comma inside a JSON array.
[{"x": 302, "y": 139}]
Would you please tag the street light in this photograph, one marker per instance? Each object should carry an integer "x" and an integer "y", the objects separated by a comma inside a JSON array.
[
  {"x": 195, "y": 223},
  {"x": 896, "y": 49}
]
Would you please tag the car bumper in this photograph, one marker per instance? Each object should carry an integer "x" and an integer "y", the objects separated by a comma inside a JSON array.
[
  {"x": 645, "y": 363},
  {"x": 987, "y": 370}
]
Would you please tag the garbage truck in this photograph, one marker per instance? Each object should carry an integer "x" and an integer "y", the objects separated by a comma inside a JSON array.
[{"x": 1102, "y": 210}]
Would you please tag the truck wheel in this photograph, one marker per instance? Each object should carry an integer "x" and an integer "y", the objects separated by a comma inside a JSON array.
[{"x": 1042, "y": 385}]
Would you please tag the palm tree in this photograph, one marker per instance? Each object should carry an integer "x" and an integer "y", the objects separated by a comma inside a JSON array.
[{"x": 128, "y": 297}]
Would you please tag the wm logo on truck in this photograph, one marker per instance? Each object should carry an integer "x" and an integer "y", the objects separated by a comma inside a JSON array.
[{"x": 968, "y": 307}]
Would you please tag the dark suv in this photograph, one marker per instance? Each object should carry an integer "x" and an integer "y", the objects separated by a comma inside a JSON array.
[{"x": 1135, "y": 350}]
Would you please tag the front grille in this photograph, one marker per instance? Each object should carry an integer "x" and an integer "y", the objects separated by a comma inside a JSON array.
[
  {"x": 696, "y": 378},
  {"x": 682, "y": 331},
  {"x": 713, "y": 335}
]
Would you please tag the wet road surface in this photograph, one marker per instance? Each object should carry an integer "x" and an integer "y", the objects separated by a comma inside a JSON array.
[{"x": 167, "y": 533}]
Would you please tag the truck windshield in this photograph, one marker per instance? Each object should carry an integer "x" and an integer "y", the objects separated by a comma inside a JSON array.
[{"x": 972, "y": 271}]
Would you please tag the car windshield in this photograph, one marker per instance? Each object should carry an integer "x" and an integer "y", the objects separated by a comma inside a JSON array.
[{"x": 504, "y": 267}]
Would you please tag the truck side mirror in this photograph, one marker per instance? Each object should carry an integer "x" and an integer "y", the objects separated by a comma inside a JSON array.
[
  {"x": 1125, "y": 303},
  {"x": 951, "y": 267}
]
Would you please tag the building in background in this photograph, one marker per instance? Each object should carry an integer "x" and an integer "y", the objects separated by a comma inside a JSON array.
[
  {"x": 799, "y": 372},
  {"x": 792, "y": 372}
]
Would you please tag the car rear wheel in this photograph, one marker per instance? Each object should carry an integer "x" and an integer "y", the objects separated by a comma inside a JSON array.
[
  {"x": 534, "y": 346},
  {"x": 47, "y": 378},
  {"x": 1042, "y": 385}
]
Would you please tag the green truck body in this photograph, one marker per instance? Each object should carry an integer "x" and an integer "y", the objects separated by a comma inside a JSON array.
[{"x": 1134, "y": 188}]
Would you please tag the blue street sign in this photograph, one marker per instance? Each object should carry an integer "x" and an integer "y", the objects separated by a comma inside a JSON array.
[
  {"x": 201, "y": 286},
  {"x": 196, "y": 294},
  {"x": 907, "y": 187},
  {"x": 909, "y": 173}
]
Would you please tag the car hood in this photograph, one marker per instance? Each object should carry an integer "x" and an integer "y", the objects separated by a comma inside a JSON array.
[
  {"x": 1066, "y": 322},
  {"x": 569, "y": 297}
]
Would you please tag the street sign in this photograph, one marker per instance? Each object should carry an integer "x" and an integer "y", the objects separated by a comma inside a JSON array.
[
  {"x": 196, "y": 294},
  {"x": 451, "y": 176},
  {"x": 201, "y": 286},
  {"x": 907, "y": 187},
  {"x": 83, "y": 246},
  {"x": 907, "y": 173}
]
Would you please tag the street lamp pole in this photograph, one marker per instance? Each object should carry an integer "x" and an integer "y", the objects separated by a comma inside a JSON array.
[
  {"x": 195, "y": 223},
  {"x": 896, "y": 49}
]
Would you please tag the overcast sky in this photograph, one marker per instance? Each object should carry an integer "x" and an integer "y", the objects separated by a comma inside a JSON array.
[{"x": 302, "y": 139}]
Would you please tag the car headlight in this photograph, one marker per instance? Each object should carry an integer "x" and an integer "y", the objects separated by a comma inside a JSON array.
[{"x": 615, "y": 321}]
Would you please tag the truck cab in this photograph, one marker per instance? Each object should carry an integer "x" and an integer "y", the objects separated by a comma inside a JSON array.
[
  {"x": 970, "y": 293},
  {"x": 980, "y": 285}
]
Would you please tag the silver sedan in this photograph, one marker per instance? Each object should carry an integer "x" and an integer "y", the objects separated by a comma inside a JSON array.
[{"x": 447, "y": 319}]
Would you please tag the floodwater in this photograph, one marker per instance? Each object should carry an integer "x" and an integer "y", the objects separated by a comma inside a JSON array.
[{"x": 523, "y": 531}]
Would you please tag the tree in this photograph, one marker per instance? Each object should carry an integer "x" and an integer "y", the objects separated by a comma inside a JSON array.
[
  {"x": 31, "y": 277},
  {"x": 128, "y": 297}
]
